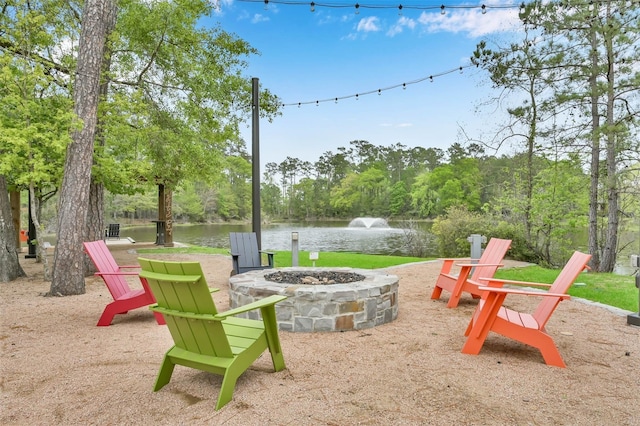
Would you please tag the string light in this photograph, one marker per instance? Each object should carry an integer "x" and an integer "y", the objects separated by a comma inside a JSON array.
[
  {"x": 402, "y": 7},
  {"x": 379, "y": 91}
]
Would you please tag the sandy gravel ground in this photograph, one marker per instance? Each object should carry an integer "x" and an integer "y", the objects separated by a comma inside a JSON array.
[{"x": 57, "y": 367}]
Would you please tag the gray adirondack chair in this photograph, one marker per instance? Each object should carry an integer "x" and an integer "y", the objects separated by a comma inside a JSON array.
[{"x": 245, "y": 254}]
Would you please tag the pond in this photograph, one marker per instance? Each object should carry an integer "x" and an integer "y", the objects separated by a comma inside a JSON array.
[{"x": 323, "y": 236}]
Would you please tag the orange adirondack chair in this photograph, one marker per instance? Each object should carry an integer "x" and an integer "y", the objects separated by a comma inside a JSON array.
[
  {"x": 487, "y": 265},
  {"x": 124, "y": 297},
  {"x": 526, "y": 328}
]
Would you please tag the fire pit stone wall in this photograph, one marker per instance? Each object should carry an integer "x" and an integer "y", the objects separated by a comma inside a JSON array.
[{"x": 321, "y": 307}]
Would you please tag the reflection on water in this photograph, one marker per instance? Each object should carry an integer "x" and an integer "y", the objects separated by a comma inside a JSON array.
[{"x": 325, "y": 236}]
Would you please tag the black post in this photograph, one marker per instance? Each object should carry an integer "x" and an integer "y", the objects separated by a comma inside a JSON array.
[
  {"x": 255, "y": 160},
  {"x": 31, "y": 235}
]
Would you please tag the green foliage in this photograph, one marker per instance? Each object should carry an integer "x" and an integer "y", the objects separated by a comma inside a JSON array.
[
  {"x": 35, "y": 111},
  {"x": 521, "y": 248},
  {"x": 454, "y": 228},
  {"x": 399, "y": 199},
  {"x": 448, "y": 185},
  {"x": 187, "y": 204}
]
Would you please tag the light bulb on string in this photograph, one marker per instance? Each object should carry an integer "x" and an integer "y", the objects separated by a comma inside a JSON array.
[
  {"x": 484, "y": 9},
  {"x": 357, "y": 9},
  {"x": 313, "y": 7},
  {"x": 266, "y": 4},
  {"x": 404, "y": 86},
  {"x": 400, "y": 10},
  {"x": 442, "y": 10},
  {"x": 336, "y": 100},
  {"x": 317, "y": 103},
  {"x": 431, "y": 79},
  {"x": 460, "y": 70},
  {"x": 357, "y": 96},
  {"x": 379, "y": 92}
]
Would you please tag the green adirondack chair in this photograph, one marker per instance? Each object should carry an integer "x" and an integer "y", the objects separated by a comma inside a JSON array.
[{"x": 205, "y": 339}]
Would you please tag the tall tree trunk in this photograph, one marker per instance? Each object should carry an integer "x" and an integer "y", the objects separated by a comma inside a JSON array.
[
  {"x": 10, "y": 268},
  {"x": 610, "y": 249},
  {"x": 95, "y": 215},
  {"x": 594, "y": 248},
  {"x": 68, "y": 269}
]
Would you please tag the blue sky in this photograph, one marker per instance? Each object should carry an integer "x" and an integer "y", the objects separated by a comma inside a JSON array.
[{"x": 334, "y": 52}]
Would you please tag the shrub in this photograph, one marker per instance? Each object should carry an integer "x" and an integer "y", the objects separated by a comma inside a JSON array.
[{"x": 455, "y": 227}]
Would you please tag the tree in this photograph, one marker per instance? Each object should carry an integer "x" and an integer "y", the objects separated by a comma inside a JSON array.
[
  {"x": 575, "y": 68},
  {"x": 10, "y": 268},
  {"x": 68, "y": 270},
  {"x": 35, "y": 109}
]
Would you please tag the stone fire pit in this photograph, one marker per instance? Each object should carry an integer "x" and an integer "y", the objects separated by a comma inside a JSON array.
[{"x": 320, "y": 299}]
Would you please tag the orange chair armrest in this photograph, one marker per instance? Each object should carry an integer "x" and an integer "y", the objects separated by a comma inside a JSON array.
[
  {"x": 479, "y": 264},
  {"x": 513, "y": 282},
  {"x": 455, "y": 259},
  {"x": 523, "y": 292}
]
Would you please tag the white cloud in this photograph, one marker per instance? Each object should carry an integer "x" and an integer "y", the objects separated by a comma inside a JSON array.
[
  {"x": 402, "y": 23},
  {"x": 369, "y": 24},
  {"x": 471, "y": 21},
  {"x": 258, "y": 17}
]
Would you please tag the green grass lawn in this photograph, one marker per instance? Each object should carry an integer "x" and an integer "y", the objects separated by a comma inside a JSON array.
[{"x": 610, "y": 289}]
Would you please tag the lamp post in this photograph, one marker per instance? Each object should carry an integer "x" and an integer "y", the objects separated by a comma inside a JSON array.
[{"x": 294, "y": 249}]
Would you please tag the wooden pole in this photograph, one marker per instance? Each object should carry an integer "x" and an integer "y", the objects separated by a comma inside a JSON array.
[{"x": 255, "y": 161}]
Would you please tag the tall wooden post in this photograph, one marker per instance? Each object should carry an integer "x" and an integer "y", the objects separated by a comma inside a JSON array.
[
  {"x": 255, "y": 161},
  {"x": 168, "y": 217},
  {"x": 32, "y": 234},
  {"x": 14, "y": 201},
  {"x": 160, "y": 223}
]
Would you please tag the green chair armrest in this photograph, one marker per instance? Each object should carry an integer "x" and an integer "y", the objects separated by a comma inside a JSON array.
[
  {"x": 262, "y": 303},
  {"x": 176, "y": 278},
  {"x": 182, "y": 314}
]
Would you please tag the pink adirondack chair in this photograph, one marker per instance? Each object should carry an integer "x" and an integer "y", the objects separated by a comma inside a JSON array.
[
  {"x": 486, "y": 266},
  {"x": 526, "y": 328},
  {"x": 124, "y": 297}
]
